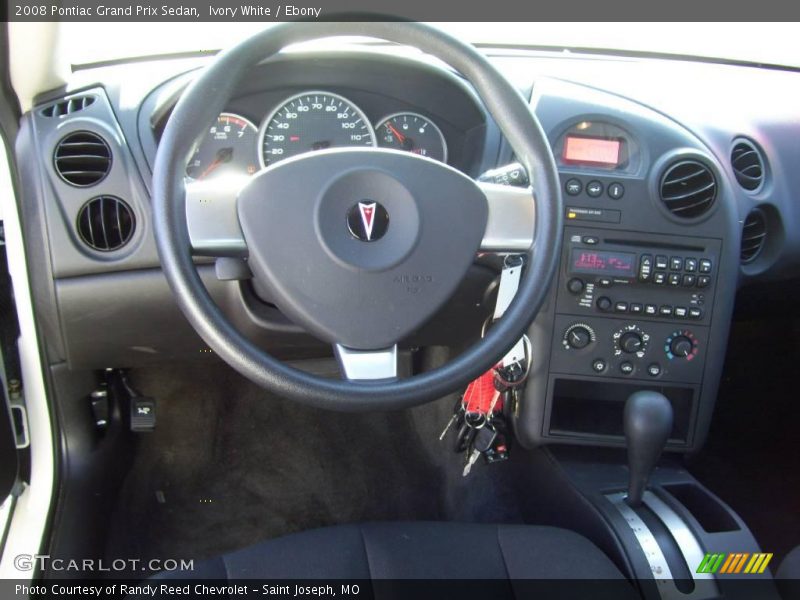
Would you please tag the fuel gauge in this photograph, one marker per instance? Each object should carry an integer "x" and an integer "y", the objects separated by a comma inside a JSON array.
[{"x": 413, "y": 133}]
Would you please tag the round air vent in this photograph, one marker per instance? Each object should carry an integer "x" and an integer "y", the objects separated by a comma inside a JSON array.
[
  {"x": 82, "y": 158},
  {"x": 748, "y": 165},
  {"x": 106, "y": 223},
  {"x": 754, "y": 234},
  {"x": 688, "y": 189}
]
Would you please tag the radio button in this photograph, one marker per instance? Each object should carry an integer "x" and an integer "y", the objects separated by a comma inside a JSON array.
[
  {"x": 604, "y": 303},
  {"x": 674, "y": 278},
  {"x": 690, "y": 265},
  {"x": 665, "y": 311},
  {"x": 705, "y": 265},
  {"x": 661, "y": 262},
  {"x": 645, "y": 267},
  {"x": 659, "y": 278},
  {"x": 605, "y": 282},
  {"x": 590, "y": 240},
  {"x": 695, "y": 313},
  {"x": 680, "y": 311},
  {"x": 636, "y": 308},
  {"x": 650, "y": 309},
  {"x": 688, "y": 280},
  {"x": 675, "y": 263},
  {"x": 621, "y": 307},
  {"x": 703, "y": 281},
  {"x": 575, "y": 286}
]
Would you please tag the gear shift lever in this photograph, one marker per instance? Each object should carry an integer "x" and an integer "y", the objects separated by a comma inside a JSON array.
[{"x": 648, "y": 423}]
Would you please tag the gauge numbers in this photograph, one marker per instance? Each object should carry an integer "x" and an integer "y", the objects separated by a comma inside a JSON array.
[
  {"x": 413, "y": 133},
  {"x": 229, "y": 147},
  {"x": 313, "y": 121}
]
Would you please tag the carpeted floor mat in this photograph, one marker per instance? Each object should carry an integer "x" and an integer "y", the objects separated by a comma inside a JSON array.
[{"x": 230, "y": 465}]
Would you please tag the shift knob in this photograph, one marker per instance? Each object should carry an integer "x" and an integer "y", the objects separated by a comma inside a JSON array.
[{"x": 648, "y": 423}]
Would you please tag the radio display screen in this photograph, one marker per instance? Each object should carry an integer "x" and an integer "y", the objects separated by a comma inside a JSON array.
[
  {"x": 598, "y": 262},
  {"x": 581, "y": 150}
]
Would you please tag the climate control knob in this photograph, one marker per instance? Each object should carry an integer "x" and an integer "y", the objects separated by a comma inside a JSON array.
[
  {"x": 578, "y": 336},
  {"x": 681, "y": 344},
  {"x": 630, "y": 342}
]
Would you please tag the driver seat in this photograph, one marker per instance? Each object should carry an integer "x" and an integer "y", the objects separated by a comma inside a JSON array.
[{"x": 416, "y": 550}]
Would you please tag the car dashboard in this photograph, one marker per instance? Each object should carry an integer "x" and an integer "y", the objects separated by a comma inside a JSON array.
[{"x": 677, "y": 184}]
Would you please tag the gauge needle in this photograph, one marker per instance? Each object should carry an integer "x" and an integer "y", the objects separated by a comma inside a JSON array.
[
  {"x": 224, "y": 155},
  {"x": 397, "y": 134}
]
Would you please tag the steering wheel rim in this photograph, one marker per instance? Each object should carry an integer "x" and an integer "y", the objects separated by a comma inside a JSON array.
[{"x": 202, "y": 102}]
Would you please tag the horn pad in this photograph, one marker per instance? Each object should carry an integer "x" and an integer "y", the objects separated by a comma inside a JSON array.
[{"x": 361, "y": 246}]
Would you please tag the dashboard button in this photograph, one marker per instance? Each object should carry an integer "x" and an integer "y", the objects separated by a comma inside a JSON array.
[
  {"x": 680, "y": 311},
  {"x": 590, "y": 240},
  {"x": 575, "y": 285},
  {"x": 675, "y": 263},
  {"x": 690, "y": 265},
  {"x": 605, "y": 282},
  {"x": 604, "y": 303},
  {"x": 703, "y": 281},
  {"x": 573, "y": 186},
  {"x": 665, "y": 310},
  {"x": 705, "y": 265},
  {"x": 650, "y": 309},
  {"x": 659, "y": 278},
  {"x": 674, "y": 278},
  {"x": 654, "y": 370},
  {"x": 636, "y": 308},
  {"x": 594, "y": 189},
  {"x": 598, "y": 365},
  {"x": 626, "y": 368},
  {"x": 695, "y": 313},
  {"x": 621, "y": 307},
  {"x": 661, "y": 262},
  {"x": 616, "y": 191},
  {"x": 645, "y": 268},
  {"x": 688, "y": 280}
]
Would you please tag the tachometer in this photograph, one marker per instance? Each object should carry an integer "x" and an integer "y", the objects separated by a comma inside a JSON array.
[
  {"x": 413, "y": 133},
  {"x": 229, "y": 147},
  {"x": 313, "y": 121}
]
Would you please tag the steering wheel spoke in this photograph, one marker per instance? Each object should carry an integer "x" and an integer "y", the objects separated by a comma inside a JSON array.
[
  {"x": 211, "y": 217},
  {"x": 512, "y": 218},
  {"x": 367, "y": 365}
]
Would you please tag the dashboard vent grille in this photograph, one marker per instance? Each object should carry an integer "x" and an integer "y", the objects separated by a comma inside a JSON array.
[
  {"x": 688, "y": 189},
  {"x": 82, "y": 158},
  {"x": 748, "y": 165},
  {"x": 754, "y": 234},
  {"x": 69, "y": 106},
  {"x": 106, "y": 223}
]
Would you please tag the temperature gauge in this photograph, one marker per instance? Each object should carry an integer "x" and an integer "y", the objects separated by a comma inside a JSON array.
[{"x": 413, "y": 133}]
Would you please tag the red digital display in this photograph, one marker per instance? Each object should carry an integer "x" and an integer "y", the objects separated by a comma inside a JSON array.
[
  {"x": 592, "y": 151},
  {"x": 615, "y": 264}
]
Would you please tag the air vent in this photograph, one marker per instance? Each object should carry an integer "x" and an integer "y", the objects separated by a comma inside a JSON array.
[
  {"x": 688, "y": 189},
  {"x": 748, "y": 165},
  {"x": 106, "y": 223},
  {"x": 82, "y": 158},
  {"x": 67, "y": 107},
  {"x": 754, "y": 234}
]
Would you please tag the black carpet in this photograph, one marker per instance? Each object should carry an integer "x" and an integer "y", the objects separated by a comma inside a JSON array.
[
  {"x": 230, "y": 465},
  {"x": 752, "y": 459}
]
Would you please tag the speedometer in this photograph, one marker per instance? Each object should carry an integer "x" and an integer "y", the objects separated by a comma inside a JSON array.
[{"x": 313, "y": 121}]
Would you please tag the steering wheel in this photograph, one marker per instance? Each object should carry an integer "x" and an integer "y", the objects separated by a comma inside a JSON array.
[{"x": 358, "y": 246}]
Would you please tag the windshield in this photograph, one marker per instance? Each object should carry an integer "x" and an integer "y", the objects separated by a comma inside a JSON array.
[{"x": 762, "y": 43}]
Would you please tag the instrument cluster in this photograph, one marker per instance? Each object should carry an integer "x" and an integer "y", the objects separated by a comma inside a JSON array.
[{"x": 306, "y": 122}]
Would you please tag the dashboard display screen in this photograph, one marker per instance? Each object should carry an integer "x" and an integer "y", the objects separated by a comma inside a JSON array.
[
  {"x": 592, "y": 151},
  {"x": 598, "y": 262}
]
